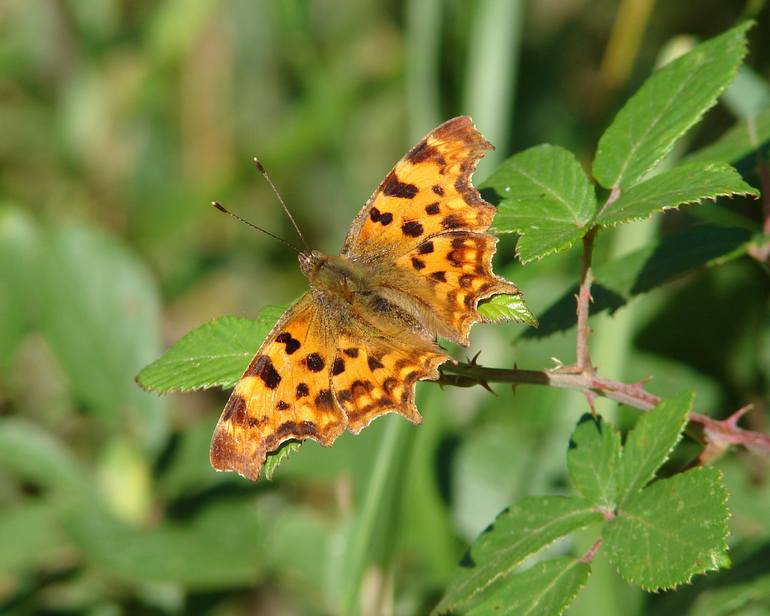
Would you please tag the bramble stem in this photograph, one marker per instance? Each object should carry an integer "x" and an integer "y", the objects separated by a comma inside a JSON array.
[
  {"x": 584, "y": 299},
  {"x": 720, "y": 433}
]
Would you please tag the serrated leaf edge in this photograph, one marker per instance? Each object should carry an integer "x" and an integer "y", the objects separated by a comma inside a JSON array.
[
  {"x": 616, "y": 184},
  {"x": 727, "y": 515},
  {"x": 499, "y": 574}
]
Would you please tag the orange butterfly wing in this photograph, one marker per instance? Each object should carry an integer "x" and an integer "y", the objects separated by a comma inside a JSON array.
[
  {"x": 335, "y": 362},
  {"x": 423, "y": 232},
  {"x": 284, "y": 394}
]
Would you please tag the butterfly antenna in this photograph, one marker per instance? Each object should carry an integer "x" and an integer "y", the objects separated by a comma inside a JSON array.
[
  {"x": 261, "y": 168},
  {"x": 221, "y": 208}
]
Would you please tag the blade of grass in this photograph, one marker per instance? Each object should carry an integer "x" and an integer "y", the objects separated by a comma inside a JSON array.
[{"x": 491, "y": 71}]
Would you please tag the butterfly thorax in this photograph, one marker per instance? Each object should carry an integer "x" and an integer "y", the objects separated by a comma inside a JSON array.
[{"x": 335, "y": 274}]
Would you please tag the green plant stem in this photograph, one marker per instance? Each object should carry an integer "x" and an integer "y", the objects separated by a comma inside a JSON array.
[{"x": 719, "y": 433}]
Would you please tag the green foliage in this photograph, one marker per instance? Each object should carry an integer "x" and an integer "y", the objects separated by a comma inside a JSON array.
[
  {"x": 657, "y": 536},
  {"x": 665, "y": 107},
  {"x": 650, "y": 443},
  {"x": 690, "y": 183},
  {"x": 521, "y": 531},
  {"x": 544, "y": 196},
  {"x": 621, "y": 280},
  {"x": 213, "y": 355},
  {"x": 743, "y": 139},
  {"x": 592, "y": 460},
  {"x": 119, "y": 126},
  {"x": 671, "y": 530},
  {"x": 544, "y": 589},
  {"x": 504, "y": 307}
]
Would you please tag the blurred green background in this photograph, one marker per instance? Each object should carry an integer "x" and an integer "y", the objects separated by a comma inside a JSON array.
[{"x": 121, "y": 120}]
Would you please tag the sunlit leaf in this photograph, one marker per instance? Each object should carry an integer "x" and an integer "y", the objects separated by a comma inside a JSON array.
[
  {"x": 649, "y": 444},
  {"x": 544, "y": 196},
  {"x": 673, "y": 529},
  {"x": 592, "y": 460},
  {"x": 507, "y": 308},
  {"x": 522, "y": 530},
  {"x": 213, "y": 355},
  {"x": 686, "y": 184},
  {"x": 671, "y": 101},
  {"x": 545, "y": 589}
]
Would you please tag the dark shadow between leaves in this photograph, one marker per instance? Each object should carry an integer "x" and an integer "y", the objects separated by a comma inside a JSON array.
[
  {"x": 618, "y": 281},
  {"x": 587, "y": 417}
]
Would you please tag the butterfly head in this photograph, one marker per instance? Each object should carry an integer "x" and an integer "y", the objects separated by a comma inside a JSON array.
[{"x": 311, "y": 262}]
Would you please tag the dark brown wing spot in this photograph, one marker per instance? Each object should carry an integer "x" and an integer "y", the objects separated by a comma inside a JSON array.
[
  {"x": 417, "y": 264},
  {"x": 422, "y": 151},
  {"x": 374, "y": 363},
  {"x": 262, "y": 366},
  {"x": 315, "y": 362},
  {"x": 338, "y": 367},
  {"x": 392, "y": 187},
  {"x": 351, "y": 352},
  {"x": 439, "y": 276},
  {"x": 302, "y": 390},
  {"x": 466, "y": 280},
  {"x": 390, "y": 384},
  {"x": 425, "y": 248},
  {"x": 235, "y": 409},
  {"x": 412, "y": 228},
  {"x": 458, "y": 242},
  {"x": 432, "y": 209},
  {"x": 383, "y": 218},
  {"x": 254, "y": 422},
  {"x": 468, "y": 301},
  {"x": 324, "y": 398},
  {"x": 453, "y": 221},
  {"x": 281, "y": 405},
  {"x": 300, "y": 429},
  {"x": 359, "y": 388},
  {"x": 292, "y": 344},
  {"x": 469, "y": 194},
  {"x": 438, "y": 190}
]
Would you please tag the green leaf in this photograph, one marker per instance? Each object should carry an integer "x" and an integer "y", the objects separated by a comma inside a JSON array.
[
  {"x": 671, "y": 530},
  {"x": 506, "y": 308},
  {"x": 618, "y": 282},
  {"x": 745, "y": 137},
  {"x": 522, "y": 530},
  {"x": 592, "y": 459},
  {"x": 650, "y": 442},
  {"x": 690, "y": 183},
  {"x": 546, "y": 197},
  {"x": 100, "y": 315},
  {"x": 545, "y": 589},
  {"x": 671, "y": 101},
  {"x": 274, "y": 459},
  {"x": 213, "y": 355}
]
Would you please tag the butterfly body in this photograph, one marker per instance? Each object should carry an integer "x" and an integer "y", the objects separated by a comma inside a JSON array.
[{"x": 415, "y": 264}]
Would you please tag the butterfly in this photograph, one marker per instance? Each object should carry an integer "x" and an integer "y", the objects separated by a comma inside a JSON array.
[{"x": 415, "y": 264}]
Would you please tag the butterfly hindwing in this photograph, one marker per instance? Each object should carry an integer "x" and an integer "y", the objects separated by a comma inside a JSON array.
[
  {"x": 373, "y": 375},
  {"x": 284, "y": 394}
]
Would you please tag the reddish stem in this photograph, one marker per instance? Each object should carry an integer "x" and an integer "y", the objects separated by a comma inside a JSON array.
[
  {"x": 584, "y": 303},
  {"x": 719, "y": 433}
]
